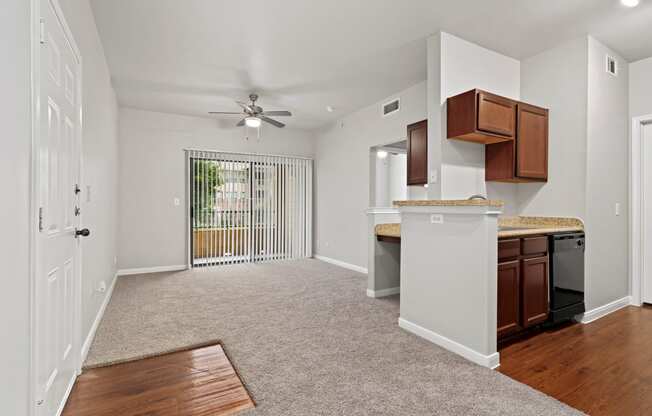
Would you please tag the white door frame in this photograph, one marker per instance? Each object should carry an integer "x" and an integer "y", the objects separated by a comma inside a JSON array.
[
  {"x": 35, "y": 74},
  {"x": 636, "y": 199}
]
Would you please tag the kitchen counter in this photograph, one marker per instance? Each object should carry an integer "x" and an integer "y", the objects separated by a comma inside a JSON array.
[
  {"x": 450, "y": 203},
  {"x": 509, "y": 226}
]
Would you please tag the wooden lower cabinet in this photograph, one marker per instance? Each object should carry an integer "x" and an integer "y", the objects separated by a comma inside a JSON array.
[
  {"x": 534, "y": 296},
  {"x": 508, "y": 294},
  {"x": 522, "y": 284}
]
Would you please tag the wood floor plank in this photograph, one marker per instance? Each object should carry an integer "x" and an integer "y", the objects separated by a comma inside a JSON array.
[
  {"x": 602, "y": 368},
  {"x": 190, "y": 383}
]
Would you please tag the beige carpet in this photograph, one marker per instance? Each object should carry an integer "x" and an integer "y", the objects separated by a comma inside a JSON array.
[{"x": 306, "y": 341}]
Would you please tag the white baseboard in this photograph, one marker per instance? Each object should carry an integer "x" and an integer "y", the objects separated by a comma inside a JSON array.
[
  {"x": 96, "y": 323},
  {"x": 342, "y": 264},
  {"x": 490, "y": 361},
  {"x": 158, "y": 269},
  {"x": 604, "y": 310},
  {"x": 64, "y": 400},
  {"x": 383, "y": 292}
]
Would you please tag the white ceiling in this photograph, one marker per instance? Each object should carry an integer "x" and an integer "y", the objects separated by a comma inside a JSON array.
[{"x": 194, "y": 56}]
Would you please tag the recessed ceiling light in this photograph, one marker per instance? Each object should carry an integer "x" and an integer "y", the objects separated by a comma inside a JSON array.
[
  {"x": 253, "y": 122},
  {"x": 630, "y": 3},
  {"x": 329, "y": 109}
]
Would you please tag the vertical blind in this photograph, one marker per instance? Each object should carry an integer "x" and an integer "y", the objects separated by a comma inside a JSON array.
[{"x": 248, "y": 208}]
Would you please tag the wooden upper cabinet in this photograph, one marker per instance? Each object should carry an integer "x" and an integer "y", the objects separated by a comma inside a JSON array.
[
  {"x": 525, "y": 159},
  {"x": 532, "y": 142},
  {"x": 496, "y": 114},
  {"x": 417, "y": 153},
  {"x": 481, "y": 117}
]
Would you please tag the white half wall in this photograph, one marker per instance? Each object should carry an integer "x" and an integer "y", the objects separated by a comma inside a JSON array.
[
  {"x": 152, "y": 229},
  {"x": 15, "y": 117},
  {"x": 100, "y": 161},
  {"x": 456, "y": 66},
  {"x": 342, "y": 173}
]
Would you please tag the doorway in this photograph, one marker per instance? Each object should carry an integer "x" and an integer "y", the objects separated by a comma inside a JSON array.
[
  {"x": 641, "y": 210},
  {"x": 248, "y": 208},
  {"x": 56, "y": 302}
]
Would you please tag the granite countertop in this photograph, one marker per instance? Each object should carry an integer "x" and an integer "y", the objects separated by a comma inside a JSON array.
[
  {"x": 450, "y": 203},
  {"x": 525, "y": 226}
]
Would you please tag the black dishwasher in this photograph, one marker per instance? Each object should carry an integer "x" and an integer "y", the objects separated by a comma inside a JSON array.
[{"x": 566, "y": 276}]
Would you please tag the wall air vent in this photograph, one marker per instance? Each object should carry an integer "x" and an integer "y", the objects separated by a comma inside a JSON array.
[
  {"x": 391, "y": 107},
  {"x": 612, "y": 66}
]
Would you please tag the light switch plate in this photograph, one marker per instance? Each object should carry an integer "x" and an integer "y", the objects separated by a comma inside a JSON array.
[
  {"x": 177, "y": 202},
  {"x": 436, "y": 219},
  {"x": 617, "y": 209}
]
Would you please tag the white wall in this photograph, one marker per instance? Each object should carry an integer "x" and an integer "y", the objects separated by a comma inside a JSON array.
[
  {"x": 342, "y": 176},
  {"x": 152, "y": 173},
  {"x": 14, "y": 215},
  {"x": 464, "y": 66},
  {"x": 588, "y": 156},
  {"x": 557, "y": 79},
  {"x": 640, "y": 88},
  {"x": 397, "y": 177},
  {"x": 390, "y": 179},
  {"x": 607, "y": 181},
  {"x": 100, "y": 160}
]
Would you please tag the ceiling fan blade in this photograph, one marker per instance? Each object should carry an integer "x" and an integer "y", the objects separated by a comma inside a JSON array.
[
  {"x": 224, "y": 112},
  {"x": 277, "y": 113},
  {"x": 241, "y": 123},
  {"x": 271, "y": 121},
  {"x": 246, "y": 107}
]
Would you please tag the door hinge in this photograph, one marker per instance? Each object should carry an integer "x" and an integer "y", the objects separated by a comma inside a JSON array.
[
  {"x": 40, "y": 219},
  {"x": 42, "y": 31}
]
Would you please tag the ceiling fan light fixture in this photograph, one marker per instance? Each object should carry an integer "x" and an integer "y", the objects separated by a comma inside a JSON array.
[
  {"x": 630, "y": 3},
  {"x": 253, "y": 122}
]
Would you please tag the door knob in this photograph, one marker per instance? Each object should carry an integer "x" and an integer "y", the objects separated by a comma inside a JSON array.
[{"x": 84, "y": 232}]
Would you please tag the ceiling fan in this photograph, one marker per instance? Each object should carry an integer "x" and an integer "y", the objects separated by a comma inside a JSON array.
[{"x": 254, "y": 114}]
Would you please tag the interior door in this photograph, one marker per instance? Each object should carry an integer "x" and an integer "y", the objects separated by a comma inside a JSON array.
[
  {"x": 57, "y": 297},
  {"x": 647, "y": 213}
]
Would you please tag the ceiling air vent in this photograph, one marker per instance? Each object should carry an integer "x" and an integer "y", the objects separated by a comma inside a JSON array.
[
  {"x": 391, "y": 107},
  {"x": 612, "y": 66}
]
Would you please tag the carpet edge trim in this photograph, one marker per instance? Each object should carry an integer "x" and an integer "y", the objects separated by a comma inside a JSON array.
[{"x": 155, "y": 354}]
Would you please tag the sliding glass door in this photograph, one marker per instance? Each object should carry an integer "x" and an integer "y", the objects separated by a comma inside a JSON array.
[{"x": 246, "y": 208}]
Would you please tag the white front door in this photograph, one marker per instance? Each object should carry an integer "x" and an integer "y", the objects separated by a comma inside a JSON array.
[
  {"x": 646, "y": 133},
  {"x": 57, "y": 296}
]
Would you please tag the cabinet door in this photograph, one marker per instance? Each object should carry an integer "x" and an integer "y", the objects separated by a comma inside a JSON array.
[
  {"x": 508, "y": 297},
  {"x": 417, "y": 153},
  {"x": 534, "y": 290},
  {"x": 496, "y": 114},
  {"x": 532, "y": 142}
]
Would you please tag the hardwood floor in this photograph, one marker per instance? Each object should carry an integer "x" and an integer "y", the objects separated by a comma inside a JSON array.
[
  {"x": 603, "y": 368},
  {"x": 189, "y": 383}
]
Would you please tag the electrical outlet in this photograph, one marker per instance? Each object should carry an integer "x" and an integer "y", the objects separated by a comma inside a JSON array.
[
  {"x": 436, "y": 219},
  {"x": 101, "y": 287},
  {"x": 434, "y": 176}
]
